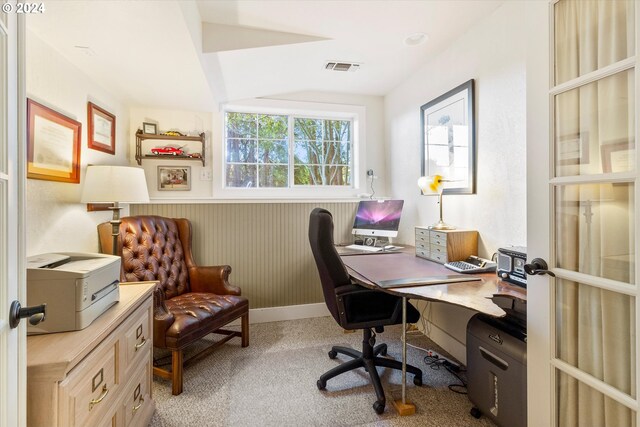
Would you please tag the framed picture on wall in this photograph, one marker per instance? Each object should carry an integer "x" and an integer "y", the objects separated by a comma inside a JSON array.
[
  {"x": 53, "y": 145},
  {"x": 448, "y": 139},
  {"x": 174, "y": 178},
  {"x": 102, "y": 129}
]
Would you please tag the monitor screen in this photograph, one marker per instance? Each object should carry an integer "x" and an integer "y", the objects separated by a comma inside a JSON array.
[{"x": 378, "y": 218}]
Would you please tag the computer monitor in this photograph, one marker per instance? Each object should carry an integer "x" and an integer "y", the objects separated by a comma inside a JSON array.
[{"x": 378, "y": 218}]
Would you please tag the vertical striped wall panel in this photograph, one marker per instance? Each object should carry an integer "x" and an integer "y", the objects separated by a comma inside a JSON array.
[{"x": 266, "y": 245}]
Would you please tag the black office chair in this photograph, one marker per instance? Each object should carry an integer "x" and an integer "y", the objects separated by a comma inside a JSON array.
[{"x": 355, "y": 307}]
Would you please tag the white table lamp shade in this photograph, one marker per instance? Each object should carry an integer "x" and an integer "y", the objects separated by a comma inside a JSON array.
[{"x": 109, "y": 184}]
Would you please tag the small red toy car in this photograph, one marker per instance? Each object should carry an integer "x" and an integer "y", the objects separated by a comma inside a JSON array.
[{"x": 168, "y": 150}]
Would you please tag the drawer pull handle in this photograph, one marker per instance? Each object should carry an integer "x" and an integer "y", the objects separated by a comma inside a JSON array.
[
  {"x": 140, "y": 344},
  {"x": 94, "y": 402},
  {"x": 139, "y": 405}
]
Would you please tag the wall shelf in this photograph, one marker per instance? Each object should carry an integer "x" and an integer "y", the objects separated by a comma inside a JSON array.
[{"x": 144, "y": 136}]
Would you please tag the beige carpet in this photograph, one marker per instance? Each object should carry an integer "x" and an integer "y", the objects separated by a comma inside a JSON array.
[{"x": 273, "y": 383}]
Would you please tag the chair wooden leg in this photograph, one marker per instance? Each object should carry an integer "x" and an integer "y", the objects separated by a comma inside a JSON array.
[
  {"x": 245, "y": 330},
  {"x": 176, "y": 372}
]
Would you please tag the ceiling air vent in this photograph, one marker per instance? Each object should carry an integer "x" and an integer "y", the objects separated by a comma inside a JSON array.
[{"x": 341, "y": 66}]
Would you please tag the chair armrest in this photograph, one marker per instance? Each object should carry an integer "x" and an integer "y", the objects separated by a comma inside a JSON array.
[
  {"x": 351, "y": 289},
  {"x": 162, "y": 318},
  {"x": 377, "y": 306},
  {"x": 212, "y": 279}
]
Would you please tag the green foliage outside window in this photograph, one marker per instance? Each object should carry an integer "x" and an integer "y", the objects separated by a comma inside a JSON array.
[{"x": 257, "y": 151}]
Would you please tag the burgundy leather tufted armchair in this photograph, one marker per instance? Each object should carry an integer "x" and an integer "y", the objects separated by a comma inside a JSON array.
[{"x": 189, "y": 301}]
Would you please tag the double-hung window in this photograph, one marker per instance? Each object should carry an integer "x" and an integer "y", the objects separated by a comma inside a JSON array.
[{"x": 288, "y": 151}]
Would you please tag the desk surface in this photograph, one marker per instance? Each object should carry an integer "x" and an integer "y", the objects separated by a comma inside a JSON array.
[{"x": 374, "y": 267}]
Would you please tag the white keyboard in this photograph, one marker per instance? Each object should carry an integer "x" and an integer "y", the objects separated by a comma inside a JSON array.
[{"x": 364, "y": 248}]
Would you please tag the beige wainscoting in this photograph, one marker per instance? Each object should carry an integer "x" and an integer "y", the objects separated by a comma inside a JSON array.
[{"x": 266, "y": 244}]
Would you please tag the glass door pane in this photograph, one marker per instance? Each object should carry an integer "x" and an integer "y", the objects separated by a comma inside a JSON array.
[
  {"x": 594, "y": 230},
  {"x": 590, "y": 35},
  {"x": 3, "y": 101},
  {"x": 590, "y": 405},
  {"x": 594, "y": 127},
  {"x": 595, "y": 332}
]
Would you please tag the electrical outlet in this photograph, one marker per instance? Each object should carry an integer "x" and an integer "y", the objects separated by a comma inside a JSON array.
[{"x": 205, "y": 175}]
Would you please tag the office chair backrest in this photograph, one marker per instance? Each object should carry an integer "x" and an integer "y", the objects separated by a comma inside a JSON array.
[{"x": 332, "y": 271}]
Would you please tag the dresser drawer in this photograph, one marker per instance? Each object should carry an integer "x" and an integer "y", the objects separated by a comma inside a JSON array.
[
  {"x": 437, "y": 249},
  {"x": 440, "y": 257},
  {"x": 438, "y": 238},
  {"x": 422, "y": 232},
  {"x": 422, "y": 245},
  {"x": 138, "y": 396},
  {"x": 137, "y": 338},
  {"x": 89, "y": 390},
  {"x": 422, "y": 253}
]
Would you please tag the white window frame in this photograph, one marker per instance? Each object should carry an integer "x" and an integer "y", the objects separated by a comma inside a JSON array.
[{"x": 296, "y": 109}]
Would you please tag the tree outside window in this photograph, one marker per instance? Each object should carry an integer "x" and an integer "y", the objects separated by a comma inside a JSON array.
[{"x": 258, "y": 151}]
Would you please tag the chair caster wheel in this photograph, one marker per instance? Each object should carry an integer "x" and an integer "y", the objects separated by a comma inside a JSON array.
[
  {"x": 475, "y": 412},
  {"x": 321, "y": 384},
  {"x": 332, "y": 354},
  {"x": 383, "y": 351},
  {"x": 417, "y": 381},
  {"x": 378, "y": 407}
]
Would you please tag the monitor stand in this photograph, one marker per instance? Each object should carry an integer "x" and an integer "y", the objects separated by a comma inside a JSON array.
[{"x": 376, "y": 241}]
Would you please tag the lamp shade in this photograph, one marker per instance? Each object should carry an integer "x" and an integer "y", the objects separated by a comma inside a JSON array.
[
  {"x": 430, "y": 184},
  {"x": 110, "y": 184}
]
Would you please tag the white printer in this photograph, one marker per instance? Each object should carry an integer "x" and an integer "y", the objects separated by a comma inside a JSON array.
[{"x": 76, "y": 287}]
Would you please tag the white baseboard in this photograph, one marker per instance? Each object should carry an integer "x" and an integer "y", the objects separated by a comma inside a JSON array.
[{"x": 289, "y": 312}]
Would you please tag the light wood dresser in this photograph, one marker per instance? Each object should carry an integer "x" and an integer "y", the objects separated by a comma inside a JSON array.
[
  {"x": 98, "y": 376},
  {"x": 446, "y": 245}
]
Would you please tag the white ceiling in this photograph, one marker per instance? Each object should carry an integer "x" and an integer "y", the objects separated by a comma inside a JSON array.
[{"x": 151, "y": 51}]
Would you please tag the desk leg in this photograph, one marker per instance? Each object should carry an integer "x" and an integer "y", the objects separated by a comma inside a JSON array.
[{"x": 404, "y": 407}]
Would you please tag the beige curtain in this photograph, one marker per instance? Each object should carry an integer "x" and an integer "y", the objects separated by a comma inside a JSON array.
[{"x": 594, "y": 223}]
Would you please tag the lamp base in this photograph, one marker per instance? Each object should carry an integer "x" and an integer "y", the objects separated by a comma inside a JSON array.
[{"x": 441, "y": 225}]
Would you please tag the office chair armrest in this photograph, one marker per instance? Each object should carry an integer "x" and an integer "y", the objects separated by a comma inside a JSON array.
[
  {"x": 162, "y": 318},
  {"x": 212, "y": 279},
  {"x": 351, "y": 289}
]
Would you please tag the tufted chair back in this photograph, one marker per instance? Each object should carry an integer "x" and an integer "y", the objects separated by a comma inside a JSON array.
[{"x": 155, "y": 248}]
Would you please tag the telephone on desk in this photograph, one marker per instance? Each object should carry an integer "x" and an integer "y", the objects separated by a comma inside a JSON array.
[{"x": 473, "y": 264}]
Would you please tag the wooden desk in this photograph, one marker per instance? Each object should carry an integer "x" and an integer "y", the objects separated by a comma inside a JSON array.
[
  {"x": 375, "y": 267},
  {"x": 371, "y": 268}
]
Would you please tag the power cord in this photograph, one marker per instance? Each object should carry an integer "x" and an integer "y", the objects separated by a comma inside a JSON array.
[{"x": 435, "y": 361}]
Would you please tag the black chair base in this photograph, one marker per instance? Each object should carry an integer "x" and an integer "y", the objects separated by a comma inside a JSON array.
[{"x": 369, "y": 360}]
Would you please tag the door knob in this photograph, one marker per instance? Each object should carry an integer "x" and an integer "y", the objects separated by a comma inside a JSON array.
[
  {"x": 538, "y": 266},
  {"x": 36, "y": 314}
]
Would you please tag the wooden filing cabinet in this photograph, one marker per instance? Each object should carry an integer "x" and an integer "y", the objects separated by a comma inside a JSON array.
[
  {"x": 100, "y": 375},
  {"x": 446, "y": 245}
]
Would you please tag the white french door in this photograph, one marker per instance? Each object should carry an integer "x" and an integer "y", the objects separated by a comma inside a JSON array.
[
  {"x": 583, "y": 345},
  {"x": 12, "y": 277}
]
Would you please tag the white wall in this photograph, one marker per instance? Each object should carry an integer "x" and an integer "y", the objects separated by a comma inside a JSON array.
[
  {"x": 492, "y": 53},
  {"x": 56, "y": 220}
]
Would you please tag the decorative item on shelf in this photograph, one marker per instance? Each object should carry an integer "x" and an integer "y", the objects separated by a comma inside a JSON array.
[
  {"x": 172, "y": 133},
  {"x": 115, "y": 185},
  {"x": 434, "y": 185},
  {"x": 149, "y": 128},
  {"x": 168, "y": 150}
]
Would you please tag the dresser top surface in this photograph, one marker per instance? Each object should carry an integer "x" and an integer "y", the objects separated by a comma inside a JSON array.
[{"x": 52, "y": 356}]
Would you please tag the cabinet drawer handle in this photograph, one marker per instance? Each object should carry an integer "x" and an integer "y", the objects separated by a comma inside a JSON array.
[
  {"x": 94, "y": 402},
  {"x": 140, "y": 344},
  {"x": 139, "y": 405}
]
